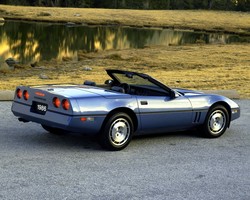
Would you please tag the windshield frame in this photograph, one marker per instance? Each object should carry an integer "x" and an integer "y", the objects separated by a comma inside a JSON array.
[{"x": 150, "y": 82}]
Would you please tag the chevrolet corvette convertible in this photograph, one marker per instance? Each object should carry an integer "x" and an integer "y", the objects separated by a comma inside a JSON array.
[{"x": 129, "y": 103}]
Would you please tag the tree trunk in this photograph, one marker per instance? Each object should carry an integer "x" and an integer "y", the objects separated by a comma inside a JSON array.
[{"x": 210, "y": 4}]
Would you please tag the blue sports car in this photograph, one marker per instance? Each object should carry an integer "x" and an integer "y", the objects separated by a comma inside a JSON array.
[{"x": 129, "y": 103}]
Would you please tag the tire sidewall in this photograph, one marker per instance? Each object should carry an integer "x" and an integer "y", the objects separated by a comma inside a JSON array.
[
  {"x": 105, "y": 139},
  {"x": 206, "y": 127}
]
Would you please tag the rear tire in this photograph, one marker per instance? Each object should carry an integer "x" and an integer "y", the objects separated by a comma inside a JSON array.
[
  {"x": 117, "y": 132},
  {"x": 52, "y": 130},
  {"x": 216, "y": 122}
]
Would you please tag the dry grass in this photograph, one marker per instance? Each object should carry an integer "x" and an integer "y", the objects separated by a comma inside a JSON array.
[
  {"x": 190, "y": 66},
  {"x": 235, "y": 22},
  {"x": 201, "y": 67}
]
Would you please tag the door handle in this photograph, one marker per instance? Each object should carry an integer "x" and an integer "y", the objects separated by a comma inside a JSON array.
[{"x": 144, "y": 103}]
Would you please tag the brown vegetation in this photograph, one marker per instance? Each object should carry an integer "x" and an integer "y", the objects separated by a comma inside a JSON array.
[
  {"x": 201, "y": 67},
  {"x": 234, "y": 22},
  {"x": 197, "y": 66}
]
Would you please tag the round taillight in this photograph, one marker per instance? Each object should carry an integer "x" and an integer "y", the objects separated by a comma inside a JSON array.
[
  {"x": 65, "y": 104},
  {"x": 26, "y": 95},
  {"x": 19, "y": 93},
  {"x": 56, "y": 102}
]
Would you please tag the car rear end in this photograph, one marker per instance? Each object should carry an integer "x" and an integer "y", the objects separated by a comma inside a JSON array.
[{"x": 52, "y": 107}]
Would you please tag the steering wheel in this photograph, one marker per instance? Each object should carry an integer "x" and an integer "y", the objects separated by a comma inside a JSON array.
[{"x": 126, "y": 87}]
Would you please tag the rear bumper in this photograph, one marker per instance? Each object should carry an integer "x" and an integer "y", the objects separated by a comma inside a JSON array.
[{"x": 58, "y": 120}]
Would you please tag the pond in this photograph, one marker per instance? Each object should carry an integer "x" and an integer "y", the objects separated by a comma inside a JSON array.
[{"x": 30, "y": 41}]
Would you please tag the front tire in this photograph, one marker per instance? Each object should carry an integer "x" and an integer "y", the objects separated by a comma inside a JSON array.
[
  {"x": 117, "y": 132},
  {"x": 216, "y": 122}
]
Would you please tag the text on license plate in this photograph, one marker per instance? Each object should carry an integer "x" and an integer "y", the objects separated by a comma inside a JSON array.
[
  {"x": 39, "y": 108},
  {"x": 42, "y": 108}
]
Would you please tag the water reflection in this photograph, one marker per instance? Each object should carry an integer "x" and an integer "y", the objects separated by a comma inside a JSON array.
[{"x": 28, "y": 42}]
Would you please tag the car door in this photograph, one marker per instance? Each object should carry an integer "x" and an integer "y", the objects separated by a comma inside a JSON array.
[{"x": 163, "y": 114}]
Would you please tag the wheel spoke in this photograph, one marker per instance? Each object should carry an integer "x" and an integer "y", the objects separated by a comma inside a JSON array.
[
  {"x": 119, "y": 131},
  {"x": 217, "y": 121}
]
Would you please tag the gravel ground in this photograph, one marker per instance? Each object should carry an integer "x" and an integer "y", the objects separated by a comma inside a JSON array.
[{"x": 37, "y": 165}]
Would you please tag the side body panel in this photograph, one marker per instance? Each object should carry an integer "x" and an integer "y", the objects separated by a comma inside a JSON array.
[
  {"x": 201, "y": 104},
  {"x": 163, "y": 114}
]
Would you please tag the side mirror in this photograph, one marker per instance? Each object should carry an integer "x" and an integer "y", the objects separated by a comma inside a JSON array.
[{"x": 173, "y": 94}]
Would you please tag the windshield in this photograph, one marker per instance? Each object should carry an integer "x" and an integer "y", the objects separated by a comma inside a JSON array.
[{"x": 133, "y": 79}]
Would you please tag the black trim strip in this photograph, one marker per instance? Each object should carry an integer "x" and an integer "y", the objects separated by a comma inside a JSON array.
[
  {"x": 199, "y": 116},
  {"x": 195, "y": 117},
  {"x": 174, "y": 111},
  {"x": 140, "y": 113},
  {"x": 80, "y": 115},
  {"x": 165, "y": 112}
]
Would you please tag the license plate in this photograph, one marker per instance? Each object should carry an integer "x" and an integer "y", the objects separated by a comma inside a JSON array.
[{"x": 39, "y": 108}]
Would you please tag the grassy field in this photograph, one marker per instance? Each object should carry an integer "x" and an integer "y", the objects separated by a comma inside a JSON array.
[
  {"x": 233, "y": 22},
  {"x": 200, "y": 66}
]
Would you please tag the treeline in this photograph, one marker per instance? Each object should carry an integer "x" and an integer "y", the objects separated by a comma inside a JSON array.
[{"x": 238, "y": 5}]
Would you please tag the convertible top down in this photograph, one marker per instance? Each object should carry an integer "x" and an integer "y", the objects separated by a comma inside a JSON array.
[{"x": 129, "y": 103}]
